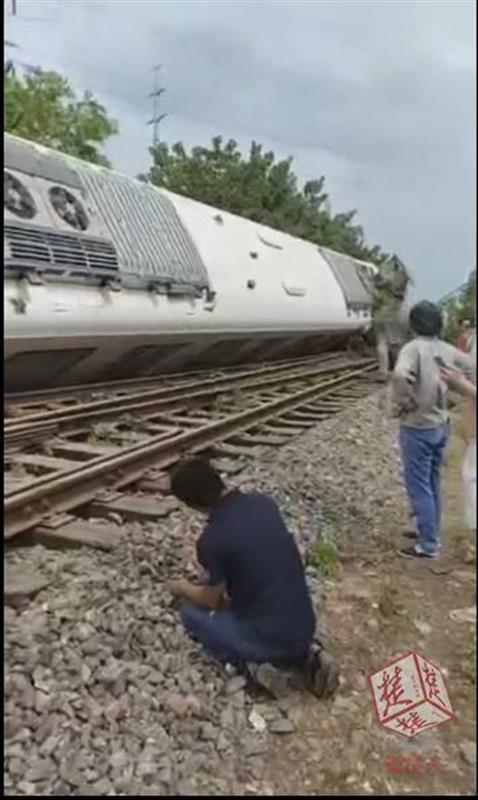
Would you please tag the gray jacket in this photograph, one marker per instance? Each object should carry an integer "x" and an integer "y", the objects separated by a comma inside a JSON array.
[{"x": 417, "y": 388}]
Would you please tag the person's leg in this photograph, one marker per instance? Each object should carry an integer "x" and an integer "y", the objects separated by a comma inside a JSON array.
[
  {"x": 394, "y": 350},
  {"x": 439, "y": 445},
  {"x": 412, "y": 531},
  {"x": 382, "y": 355},
  {"x": 417, "y": 452},
  {"x": 223, "y": 636},
  {"x": 320, "y": 672},
  {"x": 469, "y": 481},
  {"x": 469, "y": 477}
]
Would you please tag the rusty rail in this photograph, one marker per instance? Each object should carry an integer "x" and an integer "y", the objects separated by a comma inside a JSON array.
[
  {"x": 21, "y": 429},
  {"x": 41, "y": 397},
  {"x": 61, "y": 491}
]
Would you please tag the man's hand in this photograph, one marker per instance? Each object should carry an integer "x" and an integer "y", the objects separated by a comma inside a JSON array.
[
  {"x": 457, "y": 381},
  {"x": 207, "y": 596},
  {"x": 178, "y": 588}
]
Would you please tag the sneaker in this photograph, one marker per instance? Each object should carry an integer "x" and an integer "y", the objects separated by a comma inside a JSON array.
[
  {"x": 416, "y": 552},
  {"x": 322, "y": 674},
  {"x": 269, "y": 677}
]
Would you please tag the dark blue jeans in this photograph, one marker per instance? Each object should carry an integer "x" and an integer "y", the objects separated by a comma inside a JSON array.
[
  {"x": 422, "y": 456},
  {"x": 227, "y": 639}
]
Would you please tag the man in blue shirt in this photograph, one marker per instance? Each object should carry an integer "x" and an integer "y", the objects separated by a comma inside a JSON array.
[{"x": 255, "y": 611}]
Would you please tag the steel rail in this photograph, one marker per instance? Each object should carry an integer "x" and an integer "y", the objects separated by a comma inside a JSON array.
[
  {"x": 158, "y": 399},
  {"x": 44, "y": 396},
  {"x": 61, "y": 491}
]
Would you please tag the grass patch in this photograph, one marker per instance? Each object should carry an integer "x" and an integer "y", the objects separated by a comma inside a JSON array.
[{"x": 324, "y": 555}]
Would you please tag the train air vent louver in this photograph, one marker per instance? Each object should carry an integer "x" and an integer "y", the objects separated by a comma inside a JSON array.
[
  {"x": 68, "y": 208},
  {"x": 59, "y": 253},
  {"x": 16, "y": 198}
]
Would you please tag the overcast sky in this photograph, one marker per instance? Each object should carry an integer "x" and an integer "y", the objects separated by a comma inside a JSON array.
[{"x": 377, "y": 96}]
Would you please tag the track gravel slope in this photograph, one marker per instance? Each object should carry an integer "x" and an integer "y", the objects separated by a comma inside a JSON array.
[{"x": 105, "y": 695}]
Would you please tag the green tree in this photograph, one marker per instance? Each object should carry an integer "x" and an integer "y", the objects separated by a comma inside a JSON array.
[
  {"x": 259, "y": 187},
  {"x": 42, "y": 106},
  {"x": 460, "y": 307}
]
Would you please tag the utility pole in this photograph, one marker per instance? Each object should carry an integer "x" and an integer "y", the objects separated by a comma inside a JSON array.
[
  {"x": 9, "y": 66},
  {"x": 156, "y": 95}
]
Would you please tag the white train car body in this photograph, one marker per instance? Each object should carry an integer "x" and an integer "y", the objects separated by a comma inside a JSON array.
[{"x": 106, "y": 277}]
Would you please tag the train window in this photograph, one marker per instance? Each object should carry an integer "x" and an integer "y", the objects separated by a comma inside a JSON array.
[
  {"x": 236, "y": 351},
  {"x": 268, "y": 349},
  {"x": 347, "y": 274},
  {"x": 164, "y": 351},
  {"x": 245, "y": 351},
  {"x": 218, "y": 354},
  {"x": 141, "y": 361},
  {"x": 40, "y": 369}
]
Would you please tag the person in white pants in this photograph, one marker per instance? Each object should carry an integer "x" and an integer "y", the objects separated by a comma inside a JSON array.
[{"x": 458, "y": 382}]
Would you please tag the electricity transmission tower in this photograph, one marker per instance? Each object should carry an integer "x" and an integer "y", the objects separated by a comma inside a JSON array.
[
  {"x": 156, "y": 95},
  {"x": 9, "y": 65},
  {"x": 11, "y": 7}
]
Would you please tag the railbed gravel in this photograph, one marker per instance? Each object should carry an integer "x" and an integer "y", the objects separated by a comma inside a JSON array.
[{"x": 105, "y": 694}]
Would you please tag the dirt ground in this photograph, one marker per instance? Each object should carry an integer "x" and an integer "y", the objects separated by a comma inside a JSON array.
[
  {"x": 98, "y": 667},
  {"x": 382, "y": 606}
]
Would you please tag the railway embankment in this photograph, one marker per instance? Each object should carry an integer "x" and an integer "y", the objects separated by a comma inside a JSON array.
[{"x": 105, "y": 695}]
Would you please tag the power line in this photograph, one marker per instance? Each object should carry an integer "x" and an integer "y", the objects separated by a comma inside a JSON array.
[{"x": 156, "y": 95}]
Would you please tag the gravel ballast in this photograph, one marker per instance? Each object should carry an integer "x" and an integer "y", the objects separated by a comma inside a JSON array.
[{"x": 105, "y": 694}]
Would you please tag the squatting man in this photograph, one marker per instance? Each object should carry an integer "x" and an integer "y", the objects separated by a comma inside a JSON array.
[{"x": 255, "y": 612}]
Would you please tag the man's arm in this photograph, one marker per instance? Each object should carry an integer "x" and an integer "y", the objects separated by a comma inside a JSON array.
[
  {"x": 462, "y": 362},
  {"x": 459, "y": 383},
  {"x": 404, "y": 375},
  {"x": 212, "y": 597}
]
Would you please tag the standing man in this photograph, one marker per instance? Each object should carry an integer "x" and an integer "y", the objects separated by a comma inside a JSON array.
[
  {"x": 389, "y": 315},
  {"x": 255, "y": 612},
  {"x": 460, "y": 384},
  {"x": 420, "y": 395}
]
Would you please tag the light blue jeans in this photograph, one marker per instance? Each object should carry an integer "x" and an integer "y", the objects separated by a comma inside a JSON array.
[{"x": 422, "y": 457}]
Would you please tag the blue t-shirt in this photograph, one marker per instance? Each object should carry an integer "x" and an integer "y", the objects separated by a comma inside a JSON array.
[{"x": 247, "y": 546}]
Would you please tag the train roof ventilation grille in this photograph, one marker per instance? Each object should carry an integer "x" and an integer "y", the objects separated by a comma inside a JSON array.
[
  {"x": 55, "y": 253},
  {"x": 16, "y": 197},
  {"x": 69, "y": 208}
]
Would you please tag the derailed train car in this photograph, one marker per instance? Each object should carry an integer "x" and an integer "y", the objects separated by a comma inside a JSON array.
[{"x": 106, "y": 277}]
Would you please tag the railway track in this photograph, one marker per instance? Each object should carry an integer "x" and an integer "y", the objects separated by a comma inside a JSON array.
[
  {"x": 19, "y": 406},
  {"x": 34, "y": 421},
  {"x": 61, "y": 460}
]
